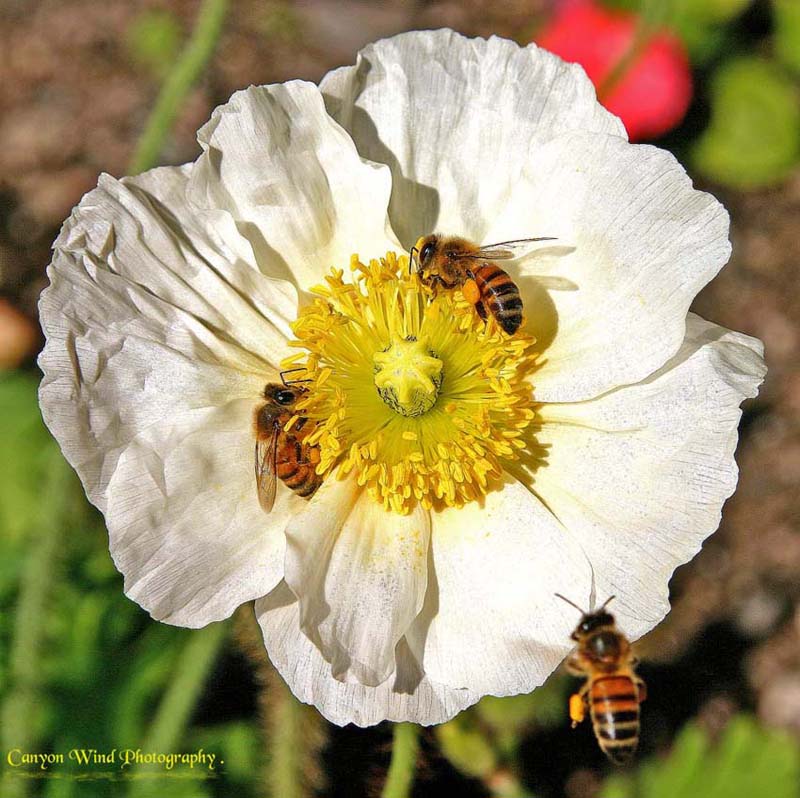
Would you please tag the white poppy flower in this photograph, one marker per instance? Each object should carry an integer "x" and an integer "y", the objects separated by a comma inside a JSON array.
[{"x": 468, "y": 474}]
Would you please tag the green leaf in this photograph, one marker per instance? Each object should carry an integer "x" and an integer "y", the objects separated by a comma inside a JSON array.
[
  {"x": 747, "y": 761},
  {"x": 236, "y": 746},
  {"x": 464, "y": 744},
  {"x": 787, "y": 33},
  {"x": 508, "y": 718},
  {"x": 753, "y": 139},
  {"x": 151, "y": 660}
]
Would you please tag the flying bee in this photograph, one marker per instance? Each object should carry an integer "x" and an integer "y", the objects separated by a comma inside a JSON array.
[
  {"x": 454, "y": 262},
  {"x": 282, "y": 454},
  {"x": 612, "y": 691}
]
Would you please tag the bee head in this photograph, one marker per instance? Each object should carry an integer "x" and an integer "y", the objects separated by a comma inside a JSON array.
[
  {"x": 425, "y": 249},
  {"x": 591, "y": 622},
  {"x": 281, "y": 395}
]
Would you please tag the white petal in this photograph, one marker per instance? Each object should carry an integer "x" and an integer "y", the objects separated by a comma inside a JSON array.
[
  {"x": 154, "y": 325},
  {"x": 409, "y": 695},
  {"x": 635, "y": 244},
  {"x": 185, "y": 525},
  {"x": 142, "y": 320},
  {"x": 359, "y": 573},
  {"x": 491, "y": 621},
  {"x": 293, "y": 182},
  {"x": 640, "y": 474},
  {"x": 214, "y": 231},
  {"x": 456, "y": 119},
  {"x": 142, "y": 230}
]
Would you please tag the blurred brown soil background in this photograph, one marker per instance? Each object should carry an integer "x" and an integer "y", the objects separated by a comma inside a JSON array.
[{"x": 75, "y": 96}]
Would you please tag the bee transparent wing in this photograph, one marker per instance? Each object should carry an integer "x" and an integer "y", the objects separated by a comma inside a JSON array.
[
  {"x": 266, "y": 470},
  {"x": 508, "y": 250}
]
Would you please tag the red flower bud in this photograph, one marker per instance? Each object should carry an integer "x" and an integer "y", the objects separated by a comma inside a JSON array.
[{"x": 655, "y": 86}]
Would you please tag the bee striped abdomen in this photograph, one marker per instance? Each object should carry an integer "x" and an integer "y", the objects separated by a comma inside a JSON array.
[
  {"x": 294, "y": 466},
  {"x": 614, "y": 706},
  {"x": 501, "y": 295}
]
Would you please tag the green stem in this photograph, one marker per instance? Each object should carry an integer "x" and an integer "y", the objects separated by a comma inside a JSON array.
[
  {"x": 402, "y": 768},
  {"x": 182, "y": 77},
  {"x": 285, "y": 746},
  {"x": 23, "y": 702},
  {"x": 651, "y": 18},
  {"x": 179, "y": 700},
  {"x": 293, "y": 734}
]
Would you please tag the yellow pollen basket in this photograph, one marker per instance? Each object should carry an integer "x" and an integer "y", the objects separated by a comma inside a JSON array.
[{"x": 411, "y": 389}]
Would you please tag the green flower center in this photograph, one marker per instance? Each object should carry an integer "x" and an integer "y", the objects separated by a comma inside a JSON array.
[{"x": 408, "y": 376}]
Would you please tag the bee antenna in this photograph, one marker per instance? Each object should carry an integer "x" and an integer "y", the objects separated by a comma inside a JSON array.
[
  {"x": 607, "y": 602},
  {"x": 572, "y": 603},
  {"x": 289, "y": 383},
  {"x": 411, "y": 257}
]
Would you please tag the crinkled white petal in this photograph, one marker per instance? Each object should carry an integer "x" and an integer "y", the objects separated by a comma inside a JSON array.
[
  {"x": 359, "y": 573},
  {"x": 635, "y": 244},
  {"x": 640, "y": 475},
  {"x": 145, "y": 317},
  {"x": 154, "y": 325},
  {"x": 185, "y": 525},
  {"x": 491, "y": 622},
  {"x": 292, "y": 180},
  {"x": 408, "y": 695},
  {"x": 456, "y": 119},
  {"x": 213, "y": 233}
]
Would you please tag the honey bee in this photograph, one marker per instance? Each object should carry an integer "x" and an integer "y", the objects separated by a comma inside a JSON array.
[
  {"x": 282, "y": 454},
  {"x": 612, "y": 691},
  {"x": 454, "y": 262}
]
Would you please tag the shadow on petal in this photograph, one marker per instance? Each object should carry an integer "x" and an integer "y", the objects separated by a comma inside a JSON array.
[{"x": 413, "y": 207}]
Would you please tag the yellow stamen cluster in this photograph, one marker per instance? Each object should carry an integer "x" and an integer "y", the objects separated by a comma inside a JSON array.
[{"x": 411, "y": 389}]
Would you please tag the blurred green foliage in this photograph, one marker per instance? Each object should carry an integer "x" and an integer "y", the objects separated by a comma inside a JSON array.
[
  {"x": 787, "y": 33},
  {"x": 484, "y": 741},
  {"x": 25, "y": 447},
  {"x": 699, "y": 23},
  {"x": 81, "y": 666},
  {"x": 279, "y": 21},
  {"x": 753, "y": 138},
  {"x": 746, "y": 762},
  {"x": 154, "y": 40},
  {"x": 467, "y": 746}
]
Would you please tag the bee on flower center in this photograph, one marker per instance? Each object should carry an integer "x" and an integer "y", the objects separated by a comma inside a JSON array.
[
  {"x": 280, "y": 452},
  {"x": 454, "y": 262},
  {"x": 612, "y": 691}
]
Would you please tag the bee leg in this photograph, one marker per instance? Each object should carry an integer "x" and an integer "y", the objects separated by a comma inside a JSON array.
[
  {"x": 573, "y": 666},
  {"x": 434, "y": 282},
  {"x": 641, "y": 688}
]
